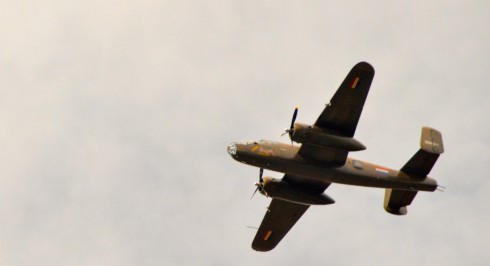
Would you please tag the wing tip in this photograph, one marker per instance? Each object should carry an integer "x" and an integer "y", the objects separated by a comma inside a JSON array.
[
  {"x": 365, "y": 66},
  {"x": 262, "y": 248}
]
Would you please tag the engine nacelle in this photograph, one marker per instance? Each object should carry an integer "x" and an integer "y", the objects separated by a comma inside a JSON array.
[
  {"x": 312, "y": 135},
  {"x": 280, "y": 189}
]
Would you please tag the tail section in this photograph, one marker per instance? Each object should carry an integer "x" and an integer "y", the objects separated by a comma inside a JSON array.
[{"x": 418, "y": 167}]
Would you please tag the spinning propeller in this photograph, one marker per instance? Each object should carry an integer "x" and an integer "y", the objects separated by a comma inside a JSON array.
[
  {"x": 290, "y": 130},
  {"x": 260, "y": 184}
]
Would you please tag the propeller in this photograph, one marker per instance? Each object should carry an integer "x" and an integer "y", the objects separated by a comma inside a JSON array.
[
  {"x": 290, "y": 130},
  {"x": 259, "y": 185}
]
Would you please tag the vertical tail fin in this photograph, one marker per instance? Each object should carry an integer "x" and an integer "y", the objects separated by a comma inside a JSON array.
[
  {"x": 431, "y": 141},
  {"x": 396, "y": 201},
  {"x": 431, "y": 147}
]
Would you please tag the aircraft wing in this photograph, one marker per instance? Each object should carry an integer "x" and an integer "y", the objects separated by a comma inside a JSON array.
[
  {"x": 341, "y": 115},
  {"x": 282, "y": 215},
  {"x": 278, "y": 220}
]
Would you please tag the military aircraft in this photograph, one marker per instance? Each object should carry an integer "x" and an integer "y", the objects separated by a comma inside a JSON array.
[{"x": 322, "y": 159}]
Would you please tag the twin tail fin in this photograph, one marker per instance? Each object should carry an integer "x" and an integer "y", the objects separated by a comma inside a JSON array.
[{"x": 431, "y": 147}]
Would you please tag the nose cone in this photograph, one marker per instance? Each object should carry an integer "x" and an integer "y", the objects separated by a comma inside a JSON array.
[{"x": 232, "y": 149}]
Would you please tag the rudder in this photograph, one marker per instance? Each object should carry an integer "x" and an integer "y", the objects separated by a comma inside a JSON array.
[
  {"x": 431, "y": 141},
  {"x": 431, "y": 147},
  {"x": 396, "y": 201}
]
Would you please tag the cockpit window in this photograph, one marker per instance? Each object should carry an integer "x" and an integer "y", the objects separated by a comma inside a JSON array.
[
  {"x": 232, "y": 148},
  {"x": 247, "y": 143}
]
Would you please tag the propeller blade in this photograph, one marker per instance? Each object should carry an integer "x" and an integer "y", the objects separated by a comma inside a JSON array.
[
  {"x": 290, "y": 130},
  {"x": 294, "y": 117},
  {"x": 260, "y": 184},
  {"x": 255, "y": 192}
]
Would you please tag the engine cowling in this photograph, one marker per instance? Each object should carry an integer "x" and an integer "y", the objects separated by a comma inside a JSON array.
[
  {"x": 312, "y": 135},
  {"x": 280, "y": 189}
]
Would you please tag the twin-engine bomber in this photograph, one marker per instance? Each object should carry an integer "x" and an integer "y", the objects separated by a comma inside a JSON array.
[{"x": 322, "y": 159}]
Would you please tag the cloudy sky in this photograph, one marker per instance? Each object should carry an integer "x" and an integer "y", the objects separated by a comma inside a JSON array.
[{"x": 115, "y": 117}]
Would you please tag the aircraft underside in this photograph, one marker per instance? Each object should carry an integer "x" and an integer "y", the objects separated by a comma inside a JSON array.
[
  {"x": 323, "y": 159},
  {"x": 353, "y": 172}
]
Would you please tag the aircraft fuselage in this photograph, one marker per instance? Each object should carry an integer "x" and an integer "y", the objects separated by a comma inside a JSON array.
[{"x": 283, "y": 158}]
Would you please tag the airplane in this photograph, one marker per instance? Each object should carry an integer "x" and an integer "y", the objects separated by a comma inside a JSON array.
[{"x": 322, "y": 159}]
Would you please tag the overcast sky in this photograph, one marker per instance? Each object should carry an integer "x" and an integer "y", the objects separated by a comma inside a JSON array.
[{"x": 115, "y": 117}]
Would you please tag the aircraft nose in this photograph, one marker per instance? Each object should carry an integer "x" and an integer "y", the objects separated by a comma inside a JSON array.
[{"x": 232, "y": 148}]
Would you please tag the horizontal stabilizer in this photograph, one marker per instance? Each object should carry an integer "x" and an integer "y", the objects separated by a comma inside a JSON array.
[{"x": 431, "y": 147}]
